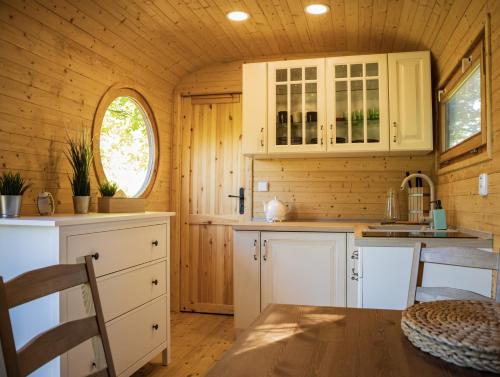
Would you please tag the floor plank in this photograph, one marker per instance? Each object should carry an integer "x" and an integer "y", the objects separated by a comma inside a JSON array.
[{"x": 198, "y": 341}]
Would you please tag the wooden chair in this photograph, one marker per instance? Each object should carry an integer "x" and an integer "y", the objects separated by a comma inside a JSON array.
[
  {"x": 60, "y": 339},
  {"x": 454, "y": 256}
]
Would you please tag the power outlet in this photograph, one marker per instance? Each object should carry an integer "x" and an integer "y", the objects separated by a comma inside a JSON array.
[{"x": 483, "y": 184}]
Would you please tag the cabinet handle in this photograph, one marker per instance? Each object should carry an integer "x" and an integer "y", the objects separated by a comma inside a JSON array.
[
  {"x": 321, "y": 141},
  {"x": 155, "y": 282},
  {"x": 265, "y": 251},
  {"x": 262, "y": 138},
  {"x": 95, "y": 256},
  {"x": 255, "y": 257},
  {"x": 155, "y": 243},
  {"x": 355, "y": 254},
  {"x": 94, "y": 365},
  {"x": 395, "y": 127},
  {"x": 155, "y": 326},
  {"x": 355, "y": 275}
]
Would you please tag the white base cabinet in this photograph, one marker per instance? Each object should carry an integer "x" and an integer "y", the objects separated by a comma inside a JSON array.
[
  {"x": 301, "y": 268},
  {"x": 384, "y": 276},
  {"x": 132, "y": 269}
]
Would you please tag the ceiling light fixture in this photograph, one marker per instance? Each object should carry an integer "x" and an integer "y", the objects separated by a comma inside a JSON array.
[
  {"x": 237, "y": 15},
  {"x": 317, "y": 8}
]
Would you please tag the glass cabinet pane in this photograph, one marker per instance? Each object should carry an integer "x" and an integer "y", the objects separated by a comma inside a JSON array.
[
  {"x": 311, "y": 73},
  {"x": 295, "y": 74},
  {"x": 341, "y": 111},
  {"x": 341, "y": 71},
  {"x": 311, "y": 113},
  {"x": 373, "y": 106},
  {"x": 357, "y": 112},
  {"x": 296, "y": 111},
  {"x": 356, "y": 70},
  {"x": 281, "y": 75},
  {"x": 281, "y": 114},
  {"x": 372, "y": 69}
]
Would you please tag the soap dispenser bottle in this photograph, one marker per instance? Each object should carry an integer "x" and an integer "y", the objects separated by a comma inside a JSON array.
[{"x": 439, "y": 216}]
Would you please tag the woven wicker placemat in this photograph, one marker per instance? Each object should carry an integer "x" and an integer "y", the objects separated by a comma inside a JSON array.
[{"x": 465, "y": 333}]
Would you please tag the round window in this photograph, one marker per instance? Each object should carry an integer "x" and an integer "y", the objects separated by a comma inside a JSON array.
[{"x": 126, "y": 143}]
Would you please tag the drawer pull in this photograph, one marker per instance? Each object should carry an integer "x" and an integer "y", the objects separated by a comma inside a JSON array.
[
  {"x": 155, "y": 326},
  {"x": 155, "y": 282},
  {"x": 155, "y": 242},
  {"x": 95, "y": 256},
  {"x": 94, "y": 365}
]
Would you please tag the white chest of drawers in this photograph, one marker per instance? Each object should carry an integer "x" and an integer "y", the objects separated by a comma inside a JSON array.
[{"x": 131, "y": 260}]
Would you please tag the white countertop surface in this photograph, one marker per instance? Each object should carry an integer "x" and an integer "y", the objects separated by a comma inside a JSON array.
[{"x": 72, "y": 219}]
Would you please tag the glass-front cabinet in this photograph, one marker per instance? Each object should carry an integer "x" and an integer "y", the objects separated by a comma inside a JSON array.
[
  {"x": 357, "y": 103},
  {"x": 296, "y": 113}
]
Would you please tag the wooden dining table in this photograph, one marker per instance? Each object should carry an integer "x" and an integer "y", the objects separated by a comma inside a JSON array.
[{"x": 314, "y": 341}]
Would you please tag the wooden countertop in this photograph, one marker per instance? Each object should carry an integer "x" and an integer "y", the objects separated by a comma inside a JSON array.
[
  {"x": 68, "y": 219},
  {"x": 299, "y": 341},
  {"x": 484, "y": 240}
]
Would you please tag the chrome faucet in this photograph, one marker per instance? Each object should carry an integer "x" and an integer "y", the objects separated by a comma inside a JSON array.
[{"x": 431, "y": 186}]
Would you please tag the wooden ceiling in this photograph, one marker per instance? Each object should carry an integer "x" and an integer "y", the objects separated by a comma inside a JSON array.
[
  {"x": 189, "y": 34},
  {"x": 175, "y": 37}
]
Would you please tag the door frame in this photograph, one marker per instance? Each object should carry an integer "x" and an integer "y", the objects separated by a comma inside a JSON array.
[{"x": 181, "y": 120}]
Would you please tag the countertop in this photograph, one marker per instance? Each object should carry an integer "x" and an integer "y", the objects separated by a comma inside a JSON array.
[
  {"x": 439, "y": 238},
  {"x": 72, "y": 219}
]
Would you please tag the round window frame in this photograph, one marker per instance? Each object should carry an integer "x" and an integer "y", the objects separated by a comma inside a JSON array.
[{"x": 112, "y": 94}]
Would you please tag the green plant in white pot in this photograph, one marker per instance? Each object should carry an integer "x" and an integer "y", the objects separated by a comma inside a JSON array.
[
  {"x": 12, "y": 188},
  {"x": 79, "y": 154}
]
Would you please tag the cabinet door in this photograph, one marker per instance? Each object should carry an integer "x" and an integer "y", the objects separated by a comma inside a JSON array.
[
  {"x": 410, "y": 101},
  {"x": 254, "y": 119},
  {"x": 357, "y": 105},
  {"x": 296, "y": 106},
  {"x": 303, "y": 268},
  {"x": 246, "y": 267}
]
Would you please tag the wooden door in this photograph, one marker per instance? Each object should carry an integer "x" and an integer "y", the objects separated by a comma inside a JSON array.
[
  {"x": 302, "y": 268},
  {"x": 212, "y": 169},
  {"x": 410, "y": 101}
]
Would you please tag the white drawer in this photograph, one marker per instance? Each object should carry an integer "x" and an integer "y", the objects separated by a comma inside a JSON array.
[
  {"x": 131, "y": 337},
  {"x": 126, "y": 290},
  {"x": 119, "y": 249},
  {"x": 120, "y": 292}
]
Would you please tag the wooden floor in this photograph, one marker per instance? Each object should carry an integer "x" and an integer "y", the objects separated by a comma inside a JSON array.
[{"x": 198, "y": 341}]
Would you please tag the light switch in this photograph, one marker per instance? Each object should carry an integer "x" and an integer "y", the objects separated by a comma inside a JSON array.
[
  {"x": 263, "y": 186},
  {"x": 483, "y": 184}
]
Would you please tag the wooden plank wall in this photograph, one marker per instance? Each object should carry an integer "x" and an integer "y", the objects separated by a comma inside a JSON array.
[
  {"x": 336, "y": 187},
  {"x": 57, "y": 59},
  {"x": 458, "y": 186}
]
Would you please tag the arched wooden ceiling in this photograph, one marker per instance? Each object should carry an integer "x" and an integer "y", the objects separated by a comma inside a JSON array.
[{"x": 190, "y": 34}]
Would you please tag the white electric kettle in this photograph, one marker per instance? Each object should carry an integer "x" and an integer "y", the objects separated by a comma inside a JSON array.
[{"x": 275, "y": 210}]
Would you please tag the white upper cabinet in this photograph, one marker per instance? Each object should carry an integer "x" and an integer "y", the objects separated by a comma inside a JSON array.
[
  {"x": 357, "y": 106},
  {"x": 378, "y": 103},
  {"x": 410, "y": 101},
  {"x": 254, "y": 108},
  {"x": 296, "y": 106}
]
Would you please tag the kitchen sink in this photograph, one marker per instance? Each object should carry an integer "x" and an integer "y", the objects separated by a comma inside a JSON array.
[{"x": 405, "y": 228}]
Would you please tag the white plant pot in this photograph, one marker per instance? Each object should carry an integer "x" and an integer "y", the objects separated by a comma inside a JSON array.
[
  {"x": 81, "y": 204},
  {"x": 10, "y": 205}
]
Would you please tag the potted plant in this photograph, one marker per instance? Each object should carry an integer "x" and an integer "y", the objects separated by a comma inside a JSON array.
[
  {"x": 12, "y": 188},
  {"x": 107, "y": 203},
  {"x": 79, "y": 155}
]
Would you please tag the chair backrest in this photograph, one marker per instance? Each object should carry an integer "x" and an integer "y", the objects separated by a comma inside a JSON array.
[
  {"x": 60, "y": 339},
  {"x": 454, "y": 256}
]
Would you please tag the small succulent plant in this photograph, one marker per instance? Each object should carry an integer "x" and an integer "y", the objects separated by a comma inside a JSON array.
[
  {"x": 108, "y": 188},
  {"x": 12, "y": 184}
]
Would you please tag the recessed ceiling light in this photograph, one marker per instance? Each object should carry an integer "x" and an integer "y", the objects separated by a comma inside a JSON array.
[
  {"x": 237, "y": 15},
  {"x": 317, "y": 8}
]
